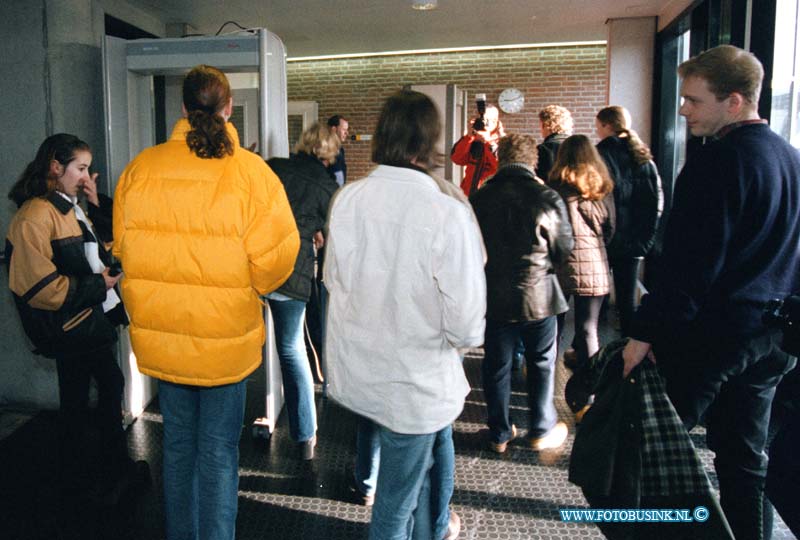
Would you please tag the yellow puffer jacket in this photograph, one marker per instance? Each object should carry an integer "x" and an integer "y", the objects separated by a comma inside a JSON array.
[{"x": 199, "y": 240}]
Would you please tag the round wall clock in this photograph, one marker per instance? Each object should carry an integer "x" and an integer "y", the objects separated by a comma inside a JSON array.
[{"x": 511, "y": 100}]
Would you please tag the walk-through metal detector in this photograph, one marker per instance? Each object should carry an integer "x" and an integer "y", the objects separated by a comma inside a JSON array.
[
  {"x": 452, "y": 103},
  {"x": 134, "y": 110}
]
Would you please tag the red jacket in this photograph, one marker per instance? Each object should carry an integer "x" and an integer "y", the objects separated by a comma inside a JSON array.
[{"x": 478, "y": 168}]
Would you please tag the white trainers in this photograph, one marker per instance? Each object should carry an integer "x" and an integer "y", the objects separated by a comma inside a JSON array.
[
  {"x": 453, "y": 526},
  {"x": 552, "y": 439}
]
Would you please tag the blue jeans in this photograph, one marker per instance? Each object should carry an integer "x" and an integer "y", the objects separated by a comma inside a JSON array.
[
  {"x": 415, "y": 484},
  {"x": 443, "y": 482},
  {"x": 298, "y": 384},
  {"x": 539, "y": 339},
  {"x": 202, "y": 427},
  {"x": 368, "y": 455}
]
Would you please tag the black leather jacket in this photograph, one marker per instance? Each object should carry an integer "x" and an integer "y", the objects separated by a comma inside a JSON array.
[
  {"x": 548, "y": 151},
  {"x": 527, "y": 232},
  {"x": 638, "y": 199},
  {"x": 309, "y": 188}
]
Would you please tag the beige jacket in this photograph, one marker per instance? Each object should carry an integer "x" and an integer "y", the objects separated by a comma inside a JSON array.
[{"x": 586, "y": 271}]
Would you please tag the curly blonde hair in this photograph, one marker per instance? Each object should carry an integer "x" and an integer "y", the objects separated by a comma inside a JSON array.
[
  {"x": 580, "y": 167},
  {"x": 556, "y": 119}
]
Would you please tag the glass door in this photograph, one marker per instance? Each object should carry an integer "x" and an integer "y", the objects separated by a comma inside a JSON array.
[{"x": 784, "y": 112}]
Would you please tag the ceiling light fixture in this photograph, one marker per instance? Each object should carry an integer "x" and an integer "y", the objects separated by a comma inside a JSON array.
[
  {"x": 445, "y": 50},
  {"x": 424, "y": 5}
]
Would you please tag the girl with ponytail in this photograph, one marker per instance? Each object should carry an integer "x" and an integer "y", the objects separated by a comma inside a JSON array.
[
  {"x": 207, "y": 102},
  {"x": 638, "y": 200}
]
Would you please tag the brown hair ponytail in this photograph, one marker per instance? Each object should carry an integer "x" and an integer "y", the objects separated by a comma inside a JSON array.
[
  {"x": 617, "y": 119},
  {"x": 640, "y": 152},
  {"x": 206, "y": 92}
]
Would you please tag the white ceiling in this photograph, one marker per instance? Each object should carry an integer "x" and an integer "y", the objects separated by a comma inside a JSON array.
[{"x": 320, "y": 27}]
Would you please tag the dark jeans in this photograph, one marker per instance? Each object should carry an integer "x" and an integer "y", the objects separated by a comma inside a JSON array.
[
  {"x": 539, "y": 339},
  {"x": 74, "y": 374},
  {"x": 783, "y": 479},
  {"x": 316, "y": 309},
  {"x": 323, "y": 311},
  {"x": 732, "y": 382},
  {"x": 587, "y": 319},
  {"x": 626, "y": 276},
  {"x": 783, "y": 473}
]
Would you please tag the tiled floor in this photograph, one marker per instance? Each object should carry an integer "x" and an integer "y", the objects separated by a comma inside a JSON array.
[{"x": 513, "y": 496}]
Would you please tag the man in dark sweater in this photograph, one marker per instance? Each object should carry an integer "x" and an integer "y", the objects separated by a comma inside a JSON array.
[
  {"x": 730, "y": 245},
  {"x": 338, "y": 124}
]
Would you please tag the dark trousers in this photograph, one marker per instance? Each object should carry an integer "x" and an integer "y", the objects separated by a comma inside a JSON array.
[
  {"x": 539, "y": 340},
  {"x": 316, "y": 308},
  {"x": 78, "y": 450},
  {"x": 732, "y": 382},
  {"x": 587, "y": 319},
  {"x": 783, "y": 473},
  {"x": 626, "y": 276},
  {"x": 783, "y": 479}
]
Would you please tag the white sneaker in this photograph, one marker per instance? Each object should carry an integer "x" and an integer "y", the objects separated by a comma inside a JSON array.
[
  {"x": 552, "y": 439},
  {"x": 453, "y": 527}
]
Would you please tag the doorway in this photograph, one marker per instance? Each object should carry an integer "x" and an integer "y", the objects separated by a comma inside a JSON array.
[{"x": 302, "y": 114}]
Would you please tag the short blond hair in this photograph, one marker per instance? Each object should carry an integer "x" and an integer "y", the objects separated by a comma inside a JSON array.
[
  {"x": 556, "y": 119},
  {"x": 726, "y": 69},
  {"x": 517, "y": 148},
  {"x": 320, "y": 141}
]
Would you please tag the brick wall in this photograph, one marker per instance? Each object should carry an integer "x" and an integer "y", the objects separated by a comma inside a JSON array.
[{"x": 573, "y": 76}]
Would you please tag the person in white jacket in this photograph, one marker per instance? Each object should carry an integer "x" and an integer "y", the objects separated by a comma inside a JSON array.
[{"x": 407, "y": 289}]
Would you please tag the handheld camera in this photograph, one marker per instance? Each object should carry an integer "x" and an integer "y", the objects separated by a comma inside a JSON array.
[{"x": 480, "y": 103}]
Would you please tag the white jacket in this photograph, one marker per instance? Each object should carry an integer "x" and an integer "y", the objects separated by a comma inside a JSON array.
[{"x": 404, "y": 268}]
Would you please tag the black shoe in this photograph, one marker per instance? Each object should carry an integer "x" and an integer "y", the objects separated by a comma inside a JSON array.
[
  {"x": 571, "y": 359},
  {"x": 518, "y": 362},
  {"x": 142, "y": 479},
  {"x": 306, "y": 448},
  {"x": 135, "y": 479},
  {"x": 358, "y": 496},
  {"x": 500, "y": 447}
]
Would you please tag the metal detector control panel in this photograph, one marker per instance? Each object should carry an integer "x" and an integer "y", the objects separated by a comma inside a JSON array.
[{"x": 165, "y": 56}]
